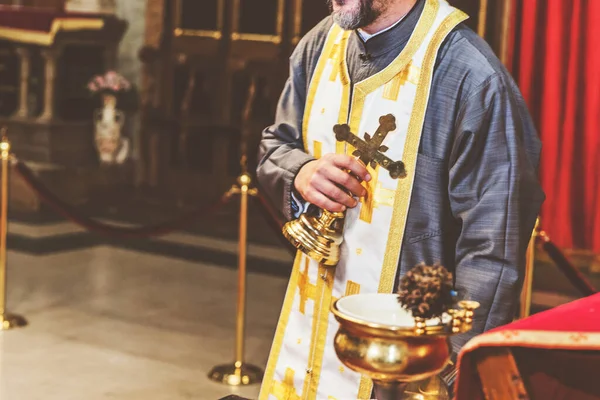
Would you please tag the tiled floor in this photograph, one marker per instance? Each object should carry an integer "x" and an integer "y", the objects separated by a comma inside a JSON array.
[
  {"x": 108, "y": 323},
  {"x": 137, "y": 319}
]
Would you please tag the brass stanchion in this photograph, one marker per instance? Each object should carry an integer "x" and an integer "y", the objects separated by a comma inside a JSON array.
[
  {"x": 526, "y": 293},
  {"x": 240, "y": 373},
  {"x": 505, "y": 38},
  {"x": 8, "y": 321},
  {"x": 482, "y": 24}
]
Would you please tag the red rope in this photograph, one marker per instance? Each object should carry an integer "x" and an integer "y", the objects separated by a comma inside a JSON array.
[
  {"x": 68, "y": 212},
  {"x": 267, "y": 207}
]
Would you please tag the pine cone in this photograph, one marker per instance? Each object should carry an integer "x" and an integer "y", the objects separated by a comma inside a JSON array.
[{"x": 426, "y": 291}]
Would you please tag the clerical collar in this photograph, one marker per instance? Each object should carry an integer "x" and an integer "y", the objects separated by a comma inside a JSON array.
[
  {"x": 389, "y": 39},
  {"x": 365, "y": 36}
]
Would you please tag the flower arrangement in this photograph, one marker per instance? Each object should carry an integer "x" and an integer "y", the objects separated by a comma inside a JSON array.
[
  {"x": 114, "y": 84},
  {"x": 109, "y": 83}
]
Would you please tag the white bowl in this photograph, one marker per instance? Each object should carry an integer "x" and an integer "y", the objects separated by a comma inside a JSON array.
[{"x": 382, "y": 309}]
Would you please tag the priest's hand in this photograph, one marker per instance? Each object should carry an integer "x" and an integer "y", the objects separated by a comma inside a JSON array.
[{"x": 322, "y": 182}]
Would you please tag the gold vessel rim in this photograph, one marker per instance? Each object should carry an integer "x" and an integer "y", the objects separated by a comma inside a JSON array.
[{"x": 431, "y": 330}]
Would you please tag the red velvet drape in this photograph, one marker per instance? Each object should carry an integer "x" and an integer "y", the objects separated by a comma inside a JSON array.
[{"x": 557, "y": 66}]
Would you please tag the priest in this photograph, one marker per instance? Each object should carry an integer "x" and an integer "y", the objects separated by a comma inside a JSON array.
[{"x": 468, "y": 200}]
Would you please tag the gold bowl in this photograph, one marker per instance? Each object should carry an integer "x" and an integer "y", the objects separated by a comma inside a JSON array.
[{"x": 380, "y": 339}]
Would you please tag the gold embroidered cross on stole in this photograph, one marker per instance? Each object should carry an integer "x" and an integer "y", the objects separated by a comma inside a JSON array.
[
  {"x": 410, "y": 74},
  {"x": 308, "y": 291},
  {"x": 376, "y": 196},
  {"x": 285, "y": 390}
]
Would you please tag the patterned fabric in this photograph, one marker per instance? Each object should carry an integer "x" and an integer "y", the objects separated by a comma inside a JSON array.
[
  {"x": 476, "y": 194},
  {"x": 573, "y": 327},
  {"x": 303, "y": 363}
]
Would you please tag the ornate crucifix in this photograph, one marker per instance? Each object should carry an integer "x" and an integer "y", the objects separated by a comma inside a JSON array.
[{"x": 370, "y": 152}]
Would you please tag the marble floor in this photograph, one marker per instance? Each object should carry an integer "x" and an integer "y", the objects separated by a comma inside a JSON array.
[
  {"x": 114, "y": 323},
  {"x": 136, "y": 319}
]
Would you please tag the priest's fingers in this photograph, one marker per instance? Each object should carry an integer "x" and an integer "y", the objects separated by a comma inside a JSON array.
[
  {"x": 350, "y": 163},
  {"x": 320, "y": 200},
  {"x": 344, "y": 179},
  {"x": 333, "y": 192},
  {"x": 326, "y": 174}
]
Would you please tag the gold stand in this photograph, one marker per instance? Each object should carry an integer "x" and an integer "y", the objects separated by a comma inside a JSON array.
[
  {"x": 240, "y": 373},
  {"x": 400, "y": 352},
  {"x": 7, "y": 320},
  {"x": 526, "y": 293}
]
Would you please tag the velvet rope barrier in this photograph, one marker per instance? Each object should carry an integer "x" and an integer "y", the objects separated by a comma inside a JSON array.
[
  {"x": 276, "y": 221},
  {"x": 575, "y": 277},
  {"x": 68, "y": 212}
]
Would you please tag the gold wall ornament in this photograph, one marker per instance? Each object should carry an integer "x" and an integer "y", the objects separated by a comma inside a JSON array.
[
  {"x": 381, "y": 340},
  {"x": 181, "y": 30},
  {"x": 275, "y": 38},
  {"x": 319, "y": 233}
]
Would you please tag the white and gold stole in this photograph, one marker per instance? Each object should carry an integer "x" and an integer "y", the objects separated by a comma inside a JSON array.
[{"x": 303, "y": 364}]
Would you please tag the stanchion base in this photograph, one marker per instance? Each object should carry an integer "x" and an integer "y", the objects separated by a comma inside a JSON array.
[
  {"x": 11, "y": 321},
  {"x": 232, "y": 375}
]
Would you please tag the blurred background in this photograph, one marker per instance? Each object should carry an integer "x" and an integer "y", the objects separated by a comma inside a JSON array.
[{"x": 132, "y": 113}]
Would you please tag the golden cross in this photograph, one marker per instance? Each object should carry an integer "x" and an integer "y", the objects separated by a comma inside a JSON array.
[
  {"x": 335, "y": 57},
  {"x": 351, "y": 289},
  {"x": 370, "y": 150},
  {"x": 410, "y": 74},
  {"x": 285, "y": 390},
  {"x": 308, "y": 291}
]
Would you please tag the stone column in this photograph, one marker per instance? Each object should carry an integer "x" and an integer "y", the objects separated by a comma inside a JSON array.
[
  {"x": 25, "y": 59},
  {"x": 51, "y": 61}
]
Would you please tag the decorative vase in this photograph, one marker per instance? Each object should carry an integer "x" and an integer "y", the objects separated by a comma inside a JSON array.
[{"x": 111, "y": 146}]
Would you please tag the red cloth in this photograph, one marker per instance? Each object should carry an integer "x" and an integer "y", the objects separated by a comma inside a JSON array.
[
  {"x": 35, "y": 19},
  {"x": 557, "y": 66},
  {"x": 557, "y": 352}
]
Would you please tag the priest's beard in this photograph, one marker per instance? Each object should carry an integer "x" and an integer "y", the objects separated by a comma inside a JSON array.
[{"x": 363, "y": 13}]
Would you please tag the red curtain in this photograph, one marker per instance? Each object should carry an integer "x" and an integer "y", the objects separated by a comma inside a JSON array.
[{"x": 557, "y": 66}]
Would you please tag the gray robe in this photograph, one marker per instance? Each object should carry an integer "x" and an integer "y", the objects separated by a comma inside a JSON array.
[{"x": 476, "y": 193}]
